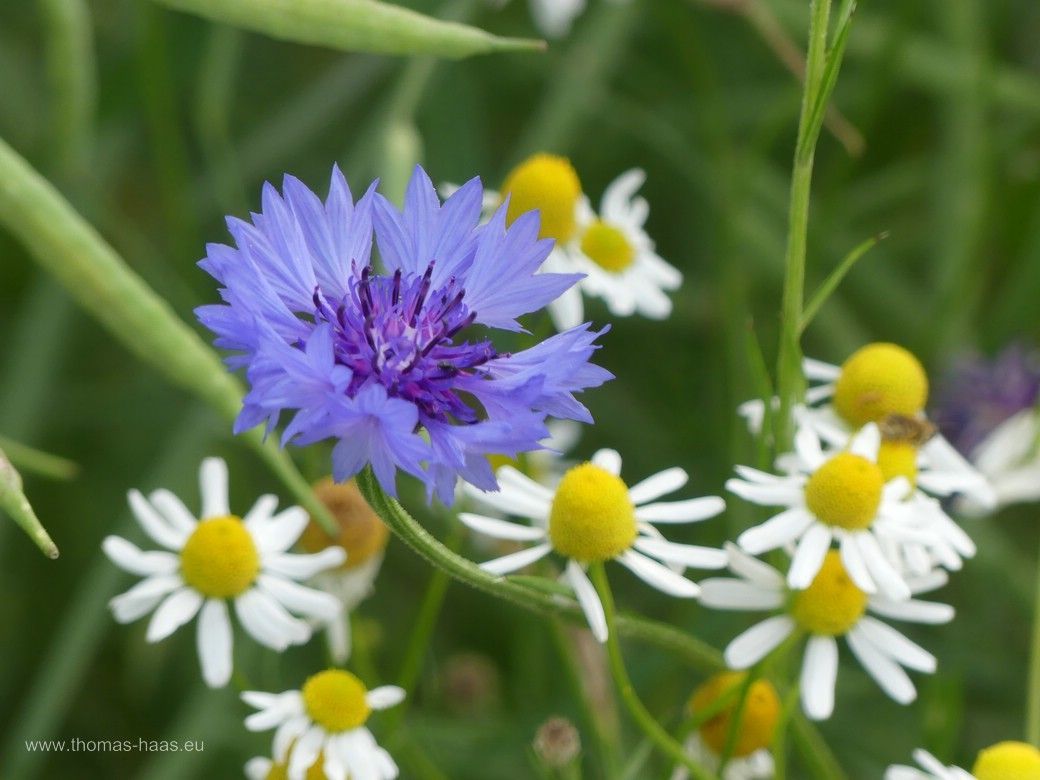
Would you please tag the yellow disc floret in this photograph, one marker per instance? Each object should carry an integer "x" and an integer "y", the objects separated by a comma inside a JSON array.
[
  {"x": 336, "y": 700},
  {"x": 845, "y": 491},
  {"x": 361, "y": 533},
  {"x": 549, "y": 184},
  {"x": 879, "y": 380},
  {"x": 1008, "y": 761},
  {"x": 220, "y": 559},
  {"x": 832, "y": 604},
  {"x": 607, "y": 246},
  {"x": 592, "y": 518},
  {"x": 281, "y": 771},
  {"x": 757, "y": 723},
  {"x": 898, "y": 459}
]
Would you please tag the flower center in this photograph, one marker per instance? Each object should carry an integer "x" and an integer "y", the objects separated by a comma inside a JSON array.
[
  {"x": 832, "y": 604},
  {"x": 608, "y": 247},
  {"x": 400, "y": 331},
  {"x": 592, "y": 518},
  {"x": 845, "y": 491},
  {"x": 879, "y": 380},
  {"x": 361, "y": 533},
  {"x": 220, "y": 559},
  {"x": 898, "y": 459},
  {"x": 335, "y": 700},
  {"x": 1008, "y": 761},
  {"x": 281, "y": 771},
  {"x": 549, "y": 184},
  {"x": 757, "y": 723}
]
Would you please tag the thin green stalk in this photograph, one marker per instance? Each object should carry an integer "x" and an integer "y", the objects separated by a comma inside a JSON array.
[
  {"x": 422, "y": 631},
  {"x": 606, "y": 751},
  {"x": 1033, "y": 700},
  {"x": 38, "y": 462},
  {"x": 639, "y": 713},
  {"x": 779, "y": 746},
  {"x": 790, "y": 382},
  {"x": 733, "y": 732},
  {"x": 830, "y": 284}
]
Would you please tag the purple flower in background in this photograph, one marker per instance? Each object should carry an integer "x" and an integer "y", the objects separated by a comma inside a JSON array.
[
  {"x": 978, "y": 394},
  {"x": 392, "y": 365}
]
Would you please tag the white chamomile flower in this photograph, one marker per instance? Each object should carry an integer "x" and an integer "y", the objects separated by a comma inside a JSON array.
[
  {"x": 1009, "y": 458},
  {"x": 364, "y": 537},
  {"x": 216, "y": 558},
  {"x": 616, "y": 255},
  {"x": 832, "y": 606},
  {"x": 931, "y": 769},
  {"x": 325, "y": 720},
  {"x": 593, "y": 517},
  {"x": 843, "y": 498},
  {"x": 750, "y": 758},
  {"x": 886, "y": 384}
]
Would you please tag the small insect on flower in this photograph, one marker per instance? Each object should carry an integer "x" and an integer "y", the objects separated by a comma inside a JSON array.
[
  {"x": 593, "y": 516},
  {"x": 841, "y": 497},
  {"x": 930, "y": 769},
  {"x": 216, "y": 558},
  {"x": 886, "y": 384},
  {"x": 364, "y": 537},
  {"x": 322, "y": 727},
  {"x": 750, "y": 758},
  {"x": 830, "y": 607},
  {"x": 382, "y": 362}
]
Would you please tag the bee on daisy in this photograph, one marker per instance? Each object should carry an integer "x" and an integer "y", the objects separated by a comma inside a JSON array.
[
  {"x": 364, "y": 537},
  {"x": 592, "y": 517},
  {"x": 322, "y": 728},
  {"x": 216, "y": 558},
  {"x": 832, "y": 606},
  {"x": 750, "y": 759}
]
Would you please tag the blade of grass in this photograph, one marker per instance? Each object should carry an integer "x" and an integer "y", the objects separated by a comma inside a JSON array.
[
  {"x": 38, "y": 462},
  {"x": 835, "y": 277}
]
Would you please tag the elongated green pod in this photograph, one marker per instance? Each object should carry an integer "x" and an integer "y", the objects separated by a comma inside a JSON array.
[
  {"x": 14, "y": 503},
  {"x": 68, "y": 248},
  {"x": 354, "y": 25}
]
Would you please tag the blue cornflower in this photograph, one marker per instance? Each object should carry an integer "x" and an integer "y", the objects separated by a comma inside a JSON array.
[{"x": 392, "y": 364}]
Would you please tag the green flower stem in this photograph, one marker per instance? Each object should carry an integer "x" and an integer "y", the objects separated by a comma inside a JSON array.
[
  {"x": 353, "y": 25},
  {"x": 1033, "y": 700},
  {"x": 14, "y": 503},
  {"x": 639, "y": 713},
  {"x": 422, "y": 632},
  {"x": 33, "y": 460},
  {"x": 62, "y": 242},
  {"x": 790, "y": 383}
]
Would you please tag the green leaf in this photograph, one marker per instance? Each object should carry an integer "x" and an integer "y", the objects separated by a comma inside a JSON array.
[
  {"x": 354, "y": 25},
  {"x": 68, "y": 248},
  {"x": 15, "y": 504},
  {"x": 43, "y": 463},
  {"x": 830, "y": 284}
]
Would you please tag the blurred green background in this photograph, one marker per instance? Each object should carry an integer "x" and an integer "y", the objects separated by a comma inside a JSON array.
[{"x": 193, "y": 117}]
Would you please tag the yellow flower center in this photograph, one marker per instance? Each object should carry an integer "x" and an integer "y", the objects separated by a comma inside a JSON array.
[
  {"x": 549, "y": 184},
  {"x": 361, "y": 533},
  {"x": 220, "y": 559},
  {"x": 608, "y": 247},
  {"x": 592, "y": 518},
  {"x": 832, "y": 604},
  {"x": 335, "y": 700},
  {"x": 898, "y": 459},
  {"x": 845, "y": 491},
  {"x": 1008, "y": 761},
  {"x": 757, "y": 723},
  {"x": 879, "y": 380},
  {"x": 281, "y": 771}
]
